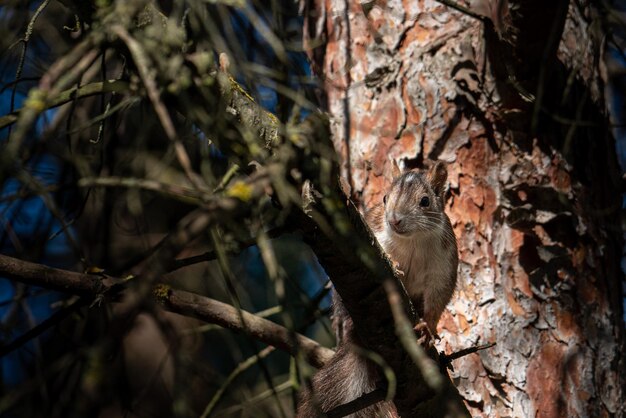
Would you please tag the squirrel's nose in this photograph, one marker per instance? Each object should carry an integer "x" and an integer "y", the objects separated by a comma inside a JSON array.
[{"x": 395, "y": 221}]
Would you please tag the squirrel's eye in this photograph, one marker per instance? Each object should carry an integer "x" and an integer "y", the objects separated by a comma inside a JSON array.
[
  {"x": 385, "y": 200},
  {"x": 425, "y": 202}
]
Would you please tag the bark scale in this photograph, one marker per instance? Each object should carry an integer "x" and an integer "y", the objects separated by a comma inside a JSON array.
[{"x": 511, "y": 98}]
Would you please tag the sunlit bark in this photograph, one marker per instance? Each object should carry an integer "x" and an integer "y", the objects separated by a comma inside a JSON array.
[{"x": 510, "y": 95}]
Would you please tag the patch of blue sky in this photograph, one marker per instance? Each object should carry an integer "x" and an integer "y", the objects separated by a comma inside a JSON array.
[{"x": 27, "y": 226}]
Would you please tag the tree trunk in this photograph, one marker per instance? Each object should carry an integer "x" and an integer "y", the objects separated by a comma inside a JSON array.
[{"x": 511, "y": 96}]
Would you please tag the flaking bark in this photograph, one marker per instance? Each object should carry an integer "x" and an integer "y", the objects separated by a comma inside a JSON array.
[{"x": 516, "y": 114}]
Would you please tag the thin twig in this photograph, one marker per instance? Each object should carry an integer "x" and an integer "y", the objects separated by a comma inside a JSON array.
[
  {"x": 406, "y": 334},
  {"x": 74, "y": 93},
  {"x": 447, "y": 359},
  {"x": 210, "y": 327},
  {"x": 270, "y": 37},
  {"x": 229, "y": 280},
  {"x": 462, "y": 9},
  {"x": 241, "y": 367},
  {"x": 358, "y": 404},
  {"x": 211, "y": 255},
  {"x": 143, "y": 65},
  {"x": 37, "y": 100},
  {"x": 227, "y": 178},
  {"x": 178, "y": 301},
  {"x": 256, "y": 399},
  {"x": 25, "y": 40},
  {"x": 32, "y": 183},
  {"x": 165, "y": 189},
  {"x": 39, "y": 329}
]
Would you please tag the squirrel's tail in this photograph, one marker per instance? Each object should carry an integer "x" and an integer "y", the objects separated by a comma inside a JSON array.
[{"x": 346, "y": 377}]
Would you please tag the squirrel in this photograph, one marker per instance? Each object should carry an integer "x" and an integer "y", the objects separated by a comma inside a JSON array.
[{"x": 415, "y": 232}]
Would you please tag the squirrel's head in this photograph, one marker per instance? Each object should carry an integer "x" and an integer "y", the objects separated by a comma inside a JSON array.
[{"x": 414, "y": 204}]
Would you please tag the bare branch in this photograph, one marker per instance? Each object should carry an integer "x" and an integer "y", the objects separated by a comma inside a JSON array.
[
  {"x": 405, "y": 333},
  {"x": 241, "y": 367},
  {"x": 358, "y": 404},
  {"x": 462, "y": 9},
  {"x": 216, "y": 312},
  {"x": 75, "y": 93},
  {"x": 169, "y": 190},
  {"x": 447, "y": 359},
  {"x": 178, "y": 301},
  {"x": 71, "y": 66},
  {"x": 143, "y": 65}
]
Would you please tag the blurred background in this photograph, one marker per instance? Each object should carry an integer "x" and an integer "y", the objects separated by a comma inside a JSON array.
[{"x": 63, "y": 357}]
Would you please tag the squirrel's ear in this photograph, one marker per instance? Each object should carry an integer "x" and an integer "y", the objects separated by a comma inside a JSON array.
[
  {"x": 395, "y": 169},
  {"x": 437, "y": 177}
]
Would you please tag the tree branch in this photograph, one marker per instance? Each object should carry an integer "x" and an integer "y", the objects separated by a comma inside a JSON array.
[
  {"x": 216, "y": 312},
  {"x": 169, "y": 190},
  {"x": 75, "y": 93},
  {"x": 358, "y": 404},
  {"x": 178, "y": 301},
  {"x": 462, "y": 9}
]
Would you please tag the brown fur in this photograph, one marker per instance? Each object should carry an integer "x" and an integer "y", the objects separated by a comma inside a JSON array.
[
  {"x": 347, "y": 376},
  {"x": 423, "y": 245},
  {"x": 420, "y": 241}
]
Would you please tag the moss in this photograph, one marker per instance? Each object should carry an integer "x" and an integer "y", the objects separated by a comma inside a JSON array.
[
  {"x": 272, "y": 117},
  {"x": 240, "y": 190},
  {"x": 296, "y": 139},
  {"x": 94, "y": 270},
  {"x": 161, "y": 292},
  {"x": 36, "y": 100},
  {"x": 101, "y": 4},
  {"x": 236, "y": 87}
]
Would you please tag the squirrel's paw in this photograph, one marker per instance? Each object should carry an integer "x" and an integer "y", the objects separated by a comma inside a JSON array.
[
  {"x": 425, "y": 337},
  {"x": 396, "y": 270}
]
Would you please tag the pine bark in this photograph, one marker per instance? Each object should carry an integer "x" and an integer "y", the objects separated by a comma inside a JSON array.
[{"x": 510, "y": 94}]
